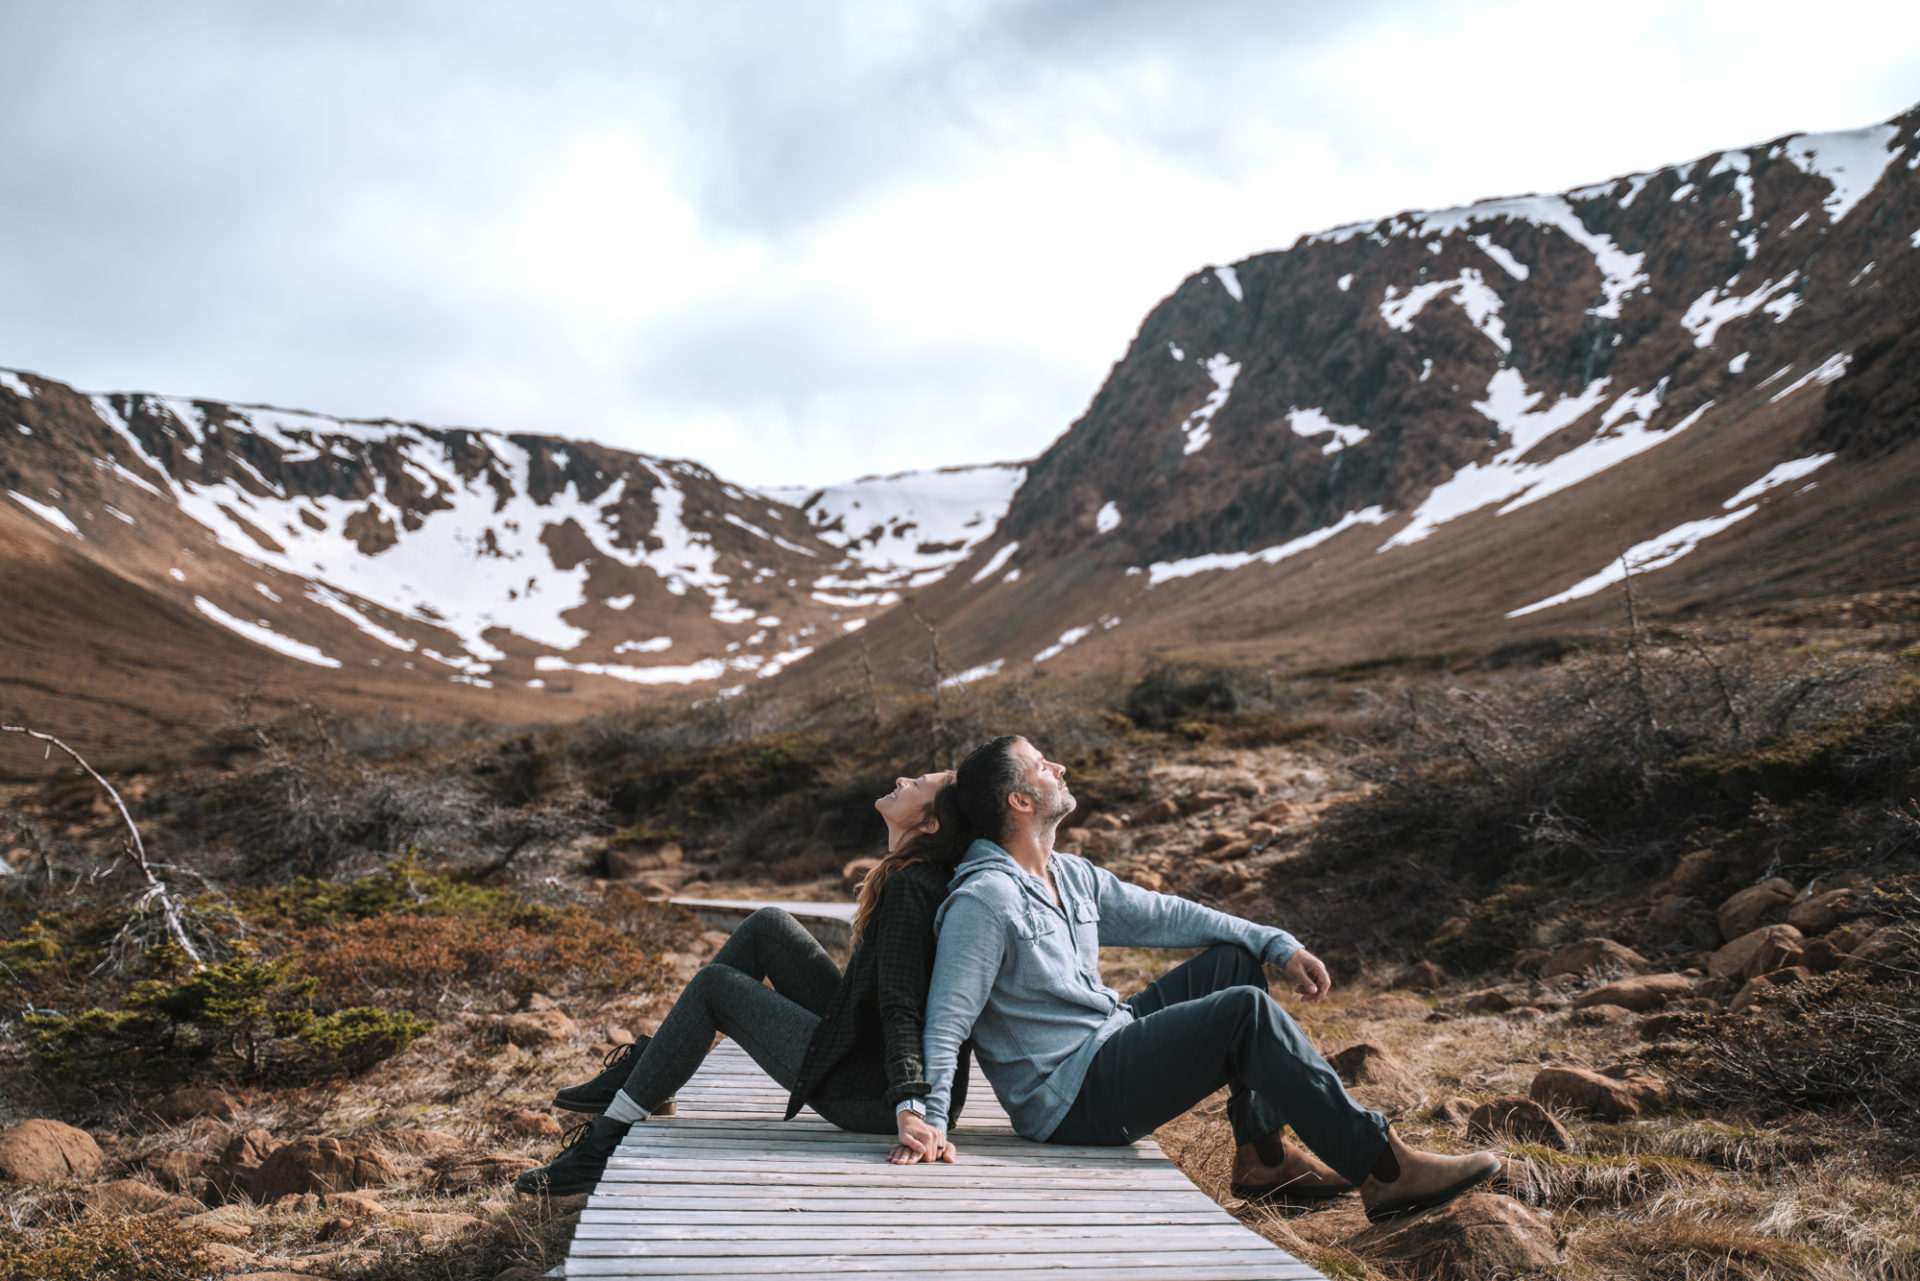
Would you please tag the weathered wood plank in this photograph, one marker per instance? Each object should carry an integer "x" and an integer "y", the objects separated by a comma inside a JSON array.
[
  {"x": 872, "y": 1234},
  {"x": 1202, "y": 1270},
  {"x": 608, "y": 1239}
]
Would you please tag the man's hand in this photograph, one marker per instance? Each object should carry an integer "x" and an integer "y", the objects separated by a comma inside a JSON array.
[
  {"x": 1309, "y": 976},
  {"x": 918, "y": 1141}
]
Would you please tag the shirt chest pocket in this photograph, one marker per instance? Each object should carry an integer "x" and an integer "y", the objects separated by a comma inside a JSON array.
[{"x": 1034, "y": 924}]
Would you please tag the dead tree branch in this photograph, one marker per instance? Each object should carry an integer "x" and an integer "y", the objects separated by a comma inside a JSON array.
[{"x": 156, "y": 896}]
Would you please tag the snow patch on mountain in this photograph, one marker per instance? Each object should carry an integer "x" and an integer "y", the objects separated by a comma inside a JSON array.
[
  {"x": 1470, "y": 291},
  {"x": 1641, "y": 558},
  {"x": 1311, "y": 422},
  {"x": 260, "y": 634},
  {"x": 1107, "y": 519},
  {"x": 904, "y": 530},
  {"x": 1714, "y": 308},
  {"x": 1198, "y": 426},
  {"x": 994, "y": 564},
  {"x": 1820, "y": 375},
  {"x": 16, "y": 384},
  {"x": 1167, "y": 570},
  {"x": 47, "y": 512},
  {"x": 1230, "y": 281},
  {"x": 1852, "y": 161},
  {"x": 1782, "y": 474}
]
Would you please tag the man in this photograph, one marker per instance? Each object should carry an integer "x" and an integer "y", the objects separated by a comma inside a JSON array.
[{"x": 1017, "y": 970}]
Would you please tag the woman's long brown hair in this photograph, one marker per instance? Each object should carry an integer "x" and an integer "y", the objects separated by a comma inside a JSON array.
[{"x": 942, "y": 847}]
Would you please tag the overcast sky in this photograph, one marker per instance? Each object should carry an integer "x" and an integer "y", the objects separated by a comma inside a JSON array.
[{"x": 795, "y": 241}]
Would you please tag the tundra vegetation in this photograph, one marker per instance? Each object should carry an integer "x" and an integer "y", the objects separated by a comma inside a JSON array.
[{"x": 1642, "y": 908}]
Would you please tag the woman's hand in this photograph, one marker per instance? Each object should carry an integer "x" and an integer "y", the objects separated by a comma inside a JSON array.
[{"x": 918, "y": 1141}]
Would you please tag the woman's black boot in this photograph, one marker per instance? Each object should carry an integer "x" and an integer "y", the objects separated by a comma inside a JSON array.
[
  {"x": 582, "y": 1160},
  {"x": 594, "y": 1096}
]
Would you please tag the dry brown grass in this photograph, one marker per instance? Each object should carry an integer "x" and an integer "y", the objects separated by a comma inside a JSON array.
[{"x": 1675, "y": 1197}]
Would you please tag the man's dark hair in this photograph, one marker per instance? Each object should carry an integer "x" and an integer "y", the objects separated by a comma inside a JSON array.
[{"x": 990, "y": 774}]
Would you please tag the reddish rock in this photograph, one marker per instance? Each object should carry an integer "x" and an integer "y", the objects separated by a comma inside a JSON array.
[
  {"x": 1520, "y": 1119},
  {"x": 42, "y": 1151},
  {"x": 1820, "y": 956},
  {"x": 1477, "y": 1237},
  {"x": 1104, "y": 823},
  {"x": 178, "y": 1171},
  {"x": 1697, "y": 874},
  {"x": 1200, "y": 802},
  {"x": 1737, "y": 961},
  {"x": 1888, "y": 946},
  {"x": 1753, "y": 907},
  {"x": 1237, "y": 849},
  {"x": 1593, "y": 954},
  {"x": 532, "y": 1124},
  {"x": 1454, "y": 1111},
  {"x": 1421, "y": 976},
  {"x": 1642, "y": 992},
  {"x": 1845, "y": 938},
  {"x": 625, "y": 864},
  {"x": 1602, "y": 1016},
  {"x": 485, "y": 1171},
  {"x": 1368, "y": 1064},
  {"x": 1819, "y": 913},
  {"x": 1389, "y": 1006},
  {"x": 426, "y": 1145},
  {"x": 184, "y": 1105},
  {"x": 240, "y": 1162},
  {"x": 1280, "y": 813},
  {"x": 536, "y": 1029},
  {"x": 1147, "y": 879},
  {"x": 1678, "y": 923},
  {"x": 1488, "y": 1000},
  {"x": 1529, "y": 960},
  {"x": 353, "y": 1205},
  {"x": 1219, "y": 837},
  {"x": 1262, "y": 833},
  {"x": 315, "y": 1164},
  {"x": 1160, "y": 811},
  {"x": 1611, "y": 1098},
  {"x": 122, "y": 1197},
  {"x": 1755, "y": 987},
  {"x": 1659, "y": 1027},
  {"x": 856, "y": 871}
]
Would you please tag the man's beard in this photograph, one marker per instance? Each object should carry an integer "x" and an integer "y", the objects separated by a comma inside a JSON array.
[{"x": 1059, "y": 805}]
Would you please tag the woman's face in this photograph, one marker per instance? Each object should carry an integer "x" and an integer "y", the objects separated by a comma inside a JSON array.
[{"x": 905, "y": 807}]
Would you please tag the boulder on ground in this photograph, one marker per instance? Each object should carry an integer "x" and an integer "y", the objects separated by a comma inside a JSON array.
[
  {"x": 1454, "y": 1111},
  {"x": 1751, "y": 992},
  {"x": 1521, "y": 1119},
  {"x": 1280, "y": 813},
  {"x": 1642, "y": 992},
  {"x": 1147, "y": 879},
  {"x": 1739, "y": 960},
  {"x": 1610, "y": 1098},
  {"x": 184, "y": 1105},
  {"x": 1678, "y": 923},
  {"x": 1889, "y": 945},
  {"x": 1602, "y": 1016},
  {"x": 1821, "y": 956},
  {"x": 353, "y": 1205},
  {"x": 1200, "y": 802},
  {"x": 240, "y": 1162},
  {"x": 1160, "y": 811},
  {"x": 42, "y": 1151},
  {"x": 131, "y": 1196},
  {"x": 1697, "y": 873},
  {"x": 1528, "y": 960},
  {"x": 426, "y": 1145},
  {"x": 1104, "y": 823},
  {"x": 1389, "y": 1005},
  {"x": 1262, "y": 833},
  {"x": 473, "y": 1173},
  {"x": 1477, "y": 1237},
  {"x": 1488, "y": 1000},
  {"x": 1593, "y": 954},
  {"x": 1238, "y": 849},
  {"x": 179, "y": 1170},
  {"x": 318, "y": 1164},
  {"x": 1818, "y": 913},
  {"x": 535, "y": 1029},
  {"x": 1219, "y": 838},
  {"x": 626, "y": 863},
  {"x": 532, "y": 1124},
  {"x": 1754, "y": 906},
  {"x": 1368, "y": 1064},
  {"x": 1421, "y": 976},
  {"x": 856, "y": 871}
]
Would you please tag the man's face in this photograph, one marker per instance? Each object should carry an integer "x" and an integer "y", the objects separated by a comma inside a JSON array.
[{"x": 1045, "y": 781}]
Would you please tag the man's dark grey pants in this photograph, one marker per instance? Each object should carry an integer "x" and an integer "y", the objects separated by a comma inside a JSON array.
[{"x": 1211, "y": 1023}]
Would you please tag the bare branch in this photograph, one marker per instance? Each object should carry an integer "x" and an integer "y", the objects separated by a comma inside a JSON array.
[{"x": 156, "y": 895}]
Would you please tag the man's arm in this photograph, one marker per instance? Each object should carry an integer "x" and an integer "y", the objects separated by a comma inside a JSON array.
[
  {"x": 973, "y": 938},
  {"x": 1133, "y": 917}
]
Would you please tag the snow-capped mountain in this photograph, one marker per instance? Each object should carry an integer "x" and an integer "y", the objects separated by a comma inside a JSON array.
[
  {"x": 468, "y": 556},
  {"x": 1463, "y": 424}
]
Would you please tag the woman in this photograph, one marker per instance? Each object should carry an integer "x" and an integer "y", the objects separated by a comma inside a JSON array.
[{"x": 847, "y": 1045}]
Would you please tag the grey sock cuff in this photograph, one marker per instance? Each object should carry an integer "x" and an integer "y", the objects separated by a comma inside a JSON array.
[{"x": 624, "y": 1109}]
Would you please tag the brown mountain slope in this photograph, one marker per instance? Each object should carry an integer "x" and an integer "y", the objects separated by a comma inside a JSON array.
[{"x": 1449, "y": 426}]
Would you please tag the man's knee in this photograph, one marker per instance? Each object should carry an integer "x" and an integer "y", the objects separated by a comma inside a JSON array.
[{"x": 1240, "y": 965}]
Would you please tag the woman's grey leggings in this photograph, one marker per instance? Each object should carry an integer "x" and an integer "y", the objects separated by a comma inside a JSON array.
[{"x": 774, "y": 1025}]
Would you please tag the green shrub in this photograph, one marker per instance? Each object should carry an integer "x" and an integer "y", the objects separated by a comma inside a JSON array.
[
  {"x": 151, "y": 1248},
  {"x": 241, "y": 1017}
]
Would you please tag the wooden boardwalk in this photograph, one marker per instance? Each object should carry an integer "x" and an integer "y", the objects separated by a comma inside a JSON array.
[{"x": 725, "y": 1188}]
